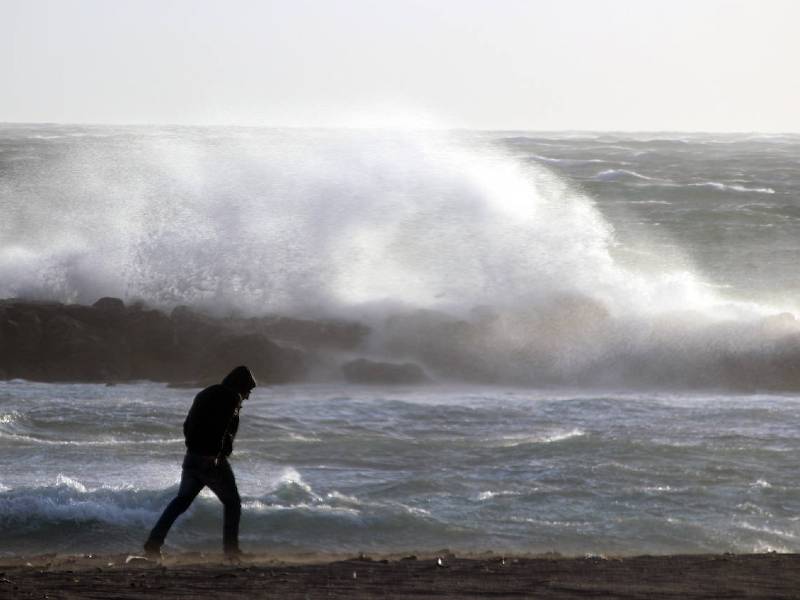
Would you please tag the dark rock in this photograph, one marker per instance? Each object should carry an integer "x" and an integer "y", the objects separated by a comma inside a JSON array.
[
  {"x": 368, "y": 371},
  {"x": 107, "y": 342},
  {"x": 102, "y": 322},
  {"x": 110, "y": 304},
  {"x": 269, "y": 362},
  {"x": 519, "y": 344},
  {"x": 344, "y": 335},
  {"x": 20, "y": 340},
  {"x": 73, "y": 350},
  {"x": 195, "y": 337},
  {"x": 21, "y": 330},
  {"x": 153, "y": 346},
  {"x": 183, "y": 312},
  {"x": 450, "y": 346}
]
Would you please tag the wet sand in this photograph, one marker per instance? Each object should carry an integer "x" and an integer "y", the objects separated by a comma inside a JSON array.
[{"x": 445, "y": 576}]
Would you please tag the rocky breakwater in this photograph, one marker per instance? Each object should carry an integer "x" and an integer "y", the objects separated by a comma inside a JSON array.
[{"x": 112, "y": 342}]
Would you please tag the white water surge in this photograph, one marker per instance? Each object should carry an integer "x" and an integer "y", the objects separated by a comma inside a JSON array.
[
  {"x": 370, "y": 225},
  {"x": 292, "y": 220}
]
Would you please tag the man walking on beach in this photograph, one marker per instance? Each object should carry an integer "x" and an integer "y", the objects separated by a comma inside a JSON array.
[{"x": 209, "y": 430}]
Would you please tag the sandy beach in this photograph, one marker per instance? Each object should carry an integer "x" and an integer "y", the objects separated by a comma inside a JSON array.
[{"x": 443, "y": 576}]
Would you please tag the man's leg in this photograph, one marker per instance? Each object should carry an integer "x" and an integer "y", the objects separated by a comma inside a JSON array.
[
  {"x": 187, "y": 492},
  {"x": 223, "y": 484}
]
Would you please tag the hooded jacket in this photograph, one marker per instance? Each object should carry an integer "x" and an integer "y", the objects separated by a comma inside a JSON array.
[{"x": 212, "y": 421}]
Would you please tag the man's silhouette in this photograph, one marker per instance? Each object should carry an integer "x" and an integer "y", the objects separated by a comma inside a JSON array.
[{"x": 209, "y": 430}]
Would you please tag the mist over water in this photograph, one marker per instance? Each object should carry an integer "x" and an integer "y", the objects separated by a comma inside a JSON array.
[
  {"x": 299, "y": 220},
  {"x": 272, "y": 220},
  {"x": 472, "y": 253}
]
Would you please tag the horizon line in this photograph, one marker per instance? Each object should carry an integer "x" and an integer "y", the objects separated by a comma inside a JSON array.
[{"x": 396, "y": 128}]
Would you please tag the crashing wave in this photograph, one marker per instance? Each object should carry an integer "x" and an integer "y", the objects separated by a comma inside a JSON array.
[{"x": 477, "y": 264}]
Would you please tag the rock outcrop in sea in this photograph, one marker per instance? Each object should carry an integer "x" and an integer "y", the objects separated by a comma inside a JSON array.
[
  {"x": 363, "y": 370},
  {"x": 112, "y": 342},
  {"x": 569, "y": 340}
]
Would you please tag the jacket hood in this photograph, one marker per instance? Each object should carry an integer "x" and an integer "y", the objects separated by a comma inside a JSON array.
[{"x": 240, "y": 379}]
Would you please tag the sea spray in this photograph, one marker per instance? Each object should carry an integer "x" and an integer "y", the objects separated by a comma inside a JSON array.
[
  {"x": 458, "y": 252},
  {"x": 271, "y": 220}
]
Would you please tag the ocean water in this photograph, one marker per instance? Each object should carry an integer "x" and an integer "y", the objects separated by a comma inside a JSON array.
[
  {"x": 330, "y": 468},
  {"x": 725, "y": 207},
  {"x": 609, "y": 321}
]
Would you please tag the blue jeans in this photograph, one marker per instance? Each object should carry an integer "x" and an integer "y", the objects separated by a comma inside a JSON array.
[{"x": 199, "y": 472}]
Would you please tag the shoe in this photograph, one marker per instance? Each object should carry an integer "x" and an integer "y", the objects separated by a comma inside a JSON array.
[{"x": 152, "y": 550}]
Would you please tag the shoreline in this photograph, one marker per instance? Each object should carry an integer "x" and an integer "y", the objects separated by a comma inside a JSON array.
[{"x": 442, "y": 576}]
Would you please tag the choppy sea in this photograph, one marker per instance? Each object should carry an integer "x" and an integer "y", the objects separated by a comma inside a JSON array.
[
  {"x": 329, "y": 468},
  {"x": 649, "y": 227}
]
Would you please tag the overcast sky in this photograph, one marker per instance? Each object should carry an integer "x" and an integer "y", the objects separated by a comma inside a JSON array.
[{"x": 696, "y": 65}]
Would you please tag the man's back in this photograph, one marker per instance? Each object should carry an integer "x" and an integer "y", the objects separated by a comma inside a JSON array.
[{"x": 213, "y": 414}]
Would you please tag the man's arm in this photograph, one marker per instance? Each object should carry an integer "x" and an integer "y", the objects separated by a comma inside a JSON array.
[
  {"x": 230, "y": 430},
  {"x": 227, "y": 443}
]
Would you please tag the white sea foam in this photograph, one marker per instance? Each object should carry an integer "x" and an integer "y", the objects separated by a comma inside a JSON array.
[
  {"x": 8, "y": 418},
  {"x": 72, "y": 484},
  {"x": 783, "y": 533},
  {"x": 30, "y": 439},
  {"x": 662, "y": 489},
  {"x": 733, "y": 187},
  {"x": 415, "y": 510},
  {"x": 342, "y": 498},
  {"x": 568, "y": 161},
  {"x": 258, "y": 506},
  {"x": 613, "y": 174},
  {"x": 297, "y": 437},
  {"x": 756, "y": 509},
  {"x": 489, "y": 494},
  {"x": 762, "y": 547},
  {"x": 289, "y": 486},
  {"x": 511, "y": 441},
  {"x": 69, "y": 501}
]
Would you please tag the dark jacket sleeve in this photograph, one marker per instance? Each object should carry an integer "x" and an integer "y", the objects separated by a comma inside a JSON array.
[{"x": 227, "y": 442}]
